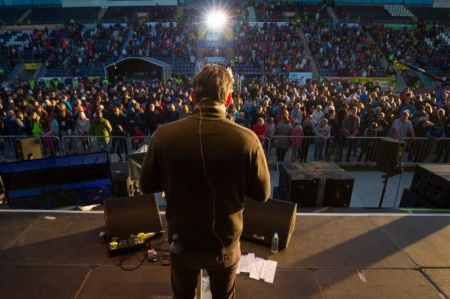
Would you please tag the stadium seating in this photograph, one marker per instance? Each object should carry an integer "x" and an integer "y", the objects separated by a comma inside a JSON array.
[
  {"x": 179, "y": 67},
  {"x": 6, "y": 70},
  {"x": 55, "y": 15},
  {"x": 77, "y": 48},
  {"x": 283, "y": 11},
  {"x": 342, "y": 50},
  {"x": 10, "y": 16},
  {"x": 369, "y": 14},
  {"x": 430, "y": 14},
  {"x": 121, "y": 14},
  {"x": 428, "y": 49},
  {"x": 399, "y": 11}
]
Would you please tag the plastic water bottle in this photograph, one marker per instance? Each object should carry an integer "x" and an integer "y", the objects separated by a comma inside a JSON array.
[{"x": 274, "y": 245}]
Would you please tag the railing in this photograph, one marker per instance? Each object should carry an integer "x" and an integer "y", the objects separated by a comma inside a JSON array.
[
  {"x": 358, "y": 150},
  {"x": 351, "y": 149},
  {"x": 117, "y": 146},
  {"x": 50, "y": 146}
]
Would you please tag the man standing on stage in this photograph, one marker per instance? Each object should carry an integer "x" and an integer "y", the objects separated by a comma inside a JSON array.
[{"x": 206, "y": 165}]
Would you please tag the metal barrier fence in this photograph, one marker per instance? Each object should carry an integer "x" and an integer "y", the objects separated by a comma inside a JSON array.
[
  {"x": 50, "y": 146},
  {"x": 351, "y": 149},
  {"x": 277, "y": 148},
  {"x": 117, "y": 146}
]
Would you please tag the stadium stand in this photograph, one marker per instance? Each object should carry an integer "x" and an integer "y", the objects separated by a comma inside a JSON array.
[
  {"x": 10, "y": 16},
  {"x": 281, "y": 11},
  {"x": 58, "y": 15},
  {"x": 426, "y": 48},
  {"x": 343, "y": 50},
  {"x": 269, "y": 48},
  {"x": 174, "y": 44},
  {"x": 430, "y": 14},
  {"x": 368, "y": 14},
  {"x": 127, "y": 14},
  {"x": 74, "y": 49}
]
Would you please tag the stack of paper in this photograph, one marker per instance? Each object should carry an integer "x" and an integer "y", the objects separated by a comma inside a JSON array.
[{"x": 258, "y": 268}]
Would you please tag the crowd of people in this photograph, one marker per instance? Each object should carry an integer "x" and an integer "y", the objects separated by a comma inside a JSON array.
[
  {"x": 344, "y": 49},
  {"x": 69, "y": 46},
  {"x": 157, "y": 40},
  {"x": 339, "y": 49},
  {"x": 420, "y": 46},
  {"x": 292, "y": 116},
  {"x": 270, "y": 11},
  {"x": 271, "y": 48}
]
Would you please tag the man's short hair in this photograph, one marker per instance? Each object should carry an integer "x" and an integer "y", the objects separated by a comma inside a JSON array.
[{"x": 214, "y": 82}]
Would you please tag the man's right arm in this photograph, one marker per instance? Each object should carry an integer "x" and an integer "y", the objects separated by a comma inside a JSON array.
[
  {"x": 258, "y": 182},
  {"x": 150, "y": 179}
]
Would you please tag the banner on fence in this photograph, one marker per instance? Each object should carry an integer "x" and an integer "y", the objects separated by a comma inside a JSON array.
[
  {"x": 296, "y": 76},
  {"x": 384, "y": 82}
]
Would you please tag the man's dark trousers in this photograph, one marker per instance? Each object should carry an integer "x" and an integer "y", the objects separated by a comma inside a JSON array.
[{"x": 186, "y": 268}]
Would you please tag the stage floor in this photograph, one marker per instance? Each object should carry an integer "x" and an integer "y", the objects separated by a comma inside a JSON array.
[{"x": 330, "y": 256}]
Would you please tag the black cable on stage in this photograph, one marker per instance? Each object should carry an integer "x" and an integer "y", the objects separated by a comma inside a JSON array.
[{"x": 126, "y": 257}]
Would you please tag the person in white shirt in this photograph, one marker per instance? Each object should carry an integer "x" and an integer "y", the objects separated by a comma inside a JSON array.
[{"x": 317, "y": 115}]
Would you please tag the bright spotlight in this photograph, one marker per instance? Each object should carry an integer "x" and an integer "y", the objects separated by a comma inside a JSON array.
[{"x": 216, "y": 20}]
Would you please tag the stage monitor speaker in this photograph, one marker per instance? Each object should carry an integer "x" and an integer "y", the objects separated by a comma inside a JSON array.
[
  {"x": 390, "y": 155},
  {"x": 262, "y": 220},
  {"x": 132, "y": 215},
  {"x": 29, "y": 148},
  {"x": 432, "y": 182}
]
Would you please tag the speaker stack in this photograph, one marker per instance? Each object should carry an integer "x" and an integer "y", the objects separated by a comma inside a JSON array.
[
  {"x": 430, "y": 187},
  {"x": 315, "y": 184},
  {"x": 390, "y": 156}
]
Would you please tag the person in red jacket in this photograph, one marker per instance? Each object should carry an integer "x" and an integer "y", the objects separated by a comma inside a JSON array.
[
  {"x": 137, "y": 138},
  {"x": 260, "y": 129}
]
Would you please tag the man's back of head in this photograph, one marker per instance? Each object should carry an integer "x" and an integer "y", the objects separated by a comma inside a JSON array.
[{"x": 213, "y": 83}]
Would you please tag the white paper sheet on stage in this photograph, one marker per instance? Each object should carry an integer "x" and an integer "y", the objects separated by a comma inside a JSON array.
[{"x": 257, "y": 268}]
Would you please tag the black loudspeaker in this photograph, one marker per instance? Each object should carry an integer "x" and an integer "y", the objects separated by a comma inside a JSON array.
[
  {"x": 412, "y": 200},
  {"x": 432, "y": 183},
  {"x": 262, "y": 220},
  {"x": 120, "y": 182},
  {"x": 338, "y": 191},
  {"x": 390, "y": 156},
  {"x": 315, "y": 184},
  {"x": 298, "y": 187},
  {"x": 131, "y": 215},
  {"x": 28, "y": 148}
]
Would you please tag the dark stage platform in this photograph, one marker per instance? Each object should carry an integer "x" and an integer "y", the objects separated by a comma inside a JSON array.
[{"x": 330, "y": 256}]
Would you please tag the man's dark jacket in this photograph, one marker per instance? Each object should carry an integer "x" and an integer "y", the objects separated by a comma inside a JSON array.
[{"x": 235, "y": 165}]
